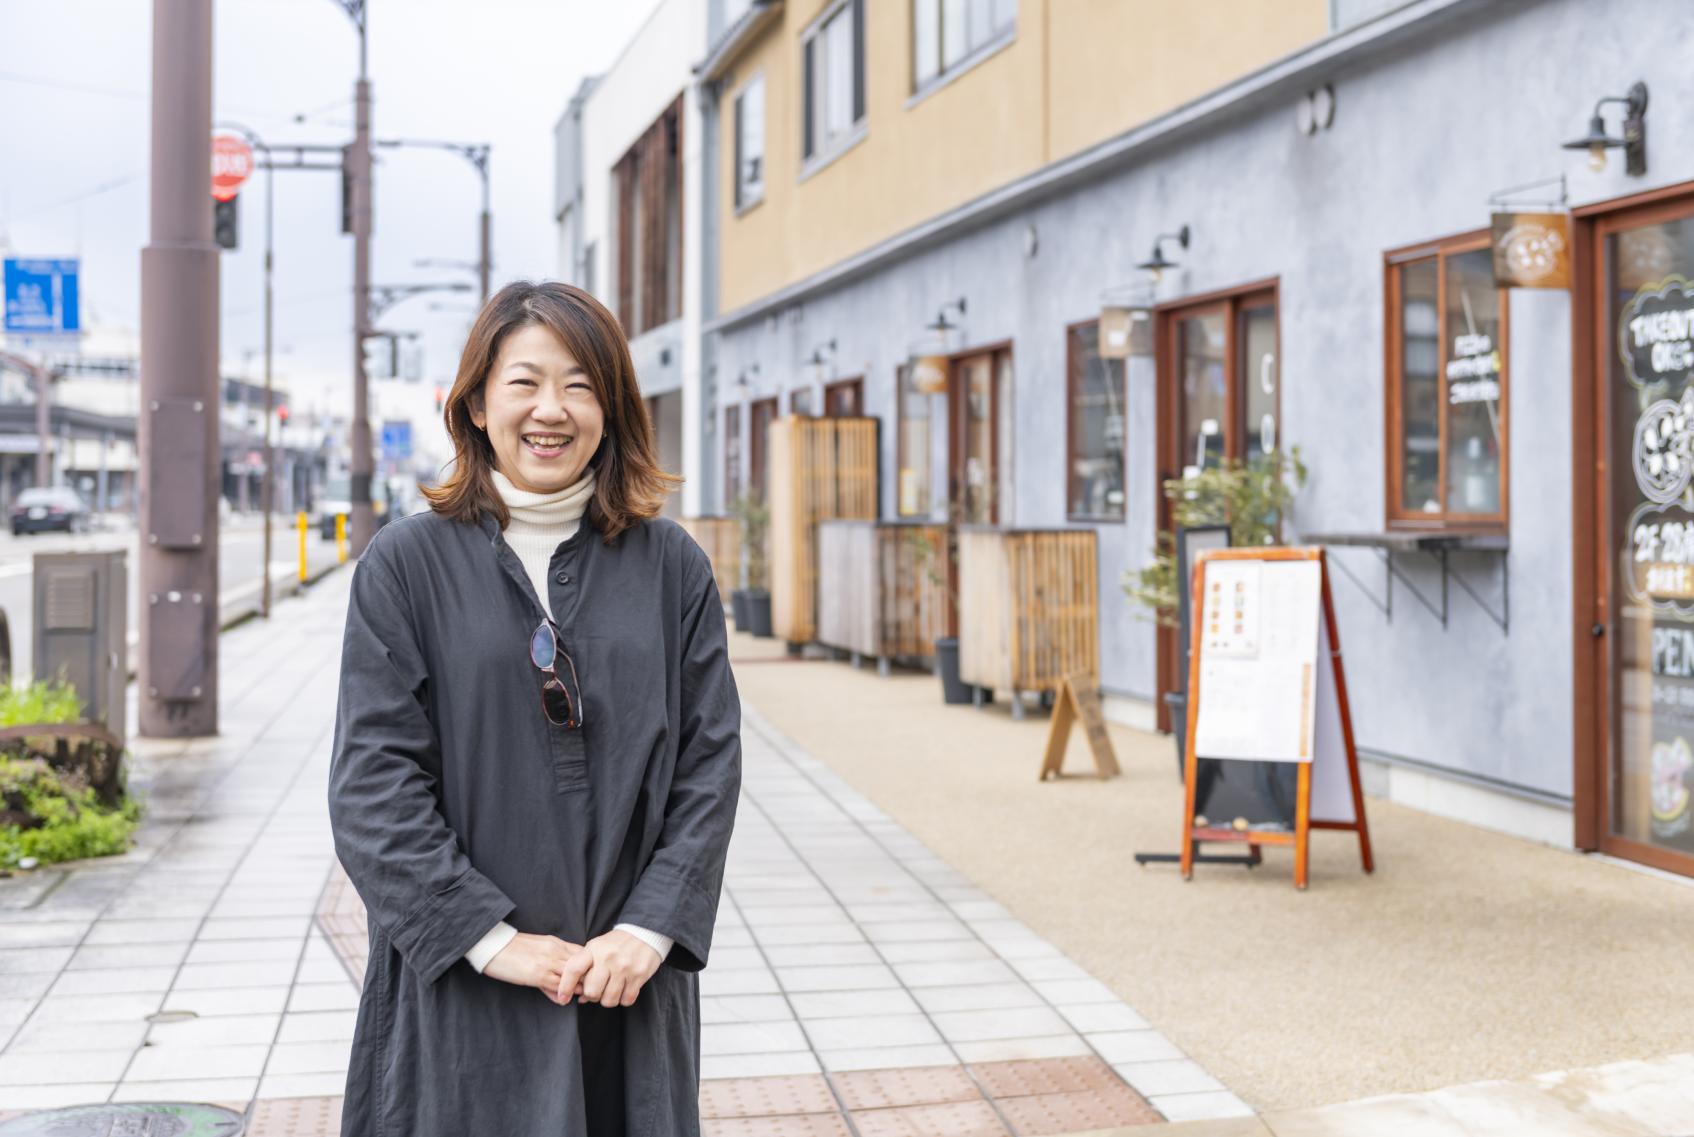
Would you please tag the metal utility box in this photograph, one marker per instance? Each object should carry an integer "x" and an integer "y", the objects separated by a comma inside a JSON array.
[{"x": 81, "y": 629}]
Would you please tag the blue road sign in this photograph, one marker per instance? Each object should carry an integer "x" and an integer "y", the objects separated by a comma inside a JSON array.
[
  {"x": 396, "y": 441},
  {"x": 41, "y": 297}
]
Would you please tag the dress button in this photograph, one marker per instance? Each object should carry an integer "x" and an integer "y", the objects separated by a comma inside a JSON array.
[{"x": 563, "y": 578}]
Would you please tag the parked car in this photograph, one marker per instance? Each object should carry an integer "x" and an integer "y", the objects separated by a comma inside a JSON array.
[
  {"x": 50, "y": 507},
  {"x": 337, "y": 501}
]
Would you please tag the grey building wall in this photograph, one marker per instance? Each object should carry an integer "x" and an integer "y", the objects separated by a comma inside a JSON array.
[
  {"x": 567, "y": 184},
  {"x": 1426, "y": 128}
]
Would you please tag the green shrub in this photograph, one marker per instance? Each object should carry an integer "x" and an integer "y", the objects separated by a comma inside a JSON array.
[
  {"x": 1249, "y": 497},
  {"x": 47, "y": 813}
]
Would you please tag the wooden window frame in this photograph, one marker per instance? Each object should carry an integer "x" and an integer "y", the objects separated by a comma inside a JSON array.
[
  {"x": 1396, "y": 515},
  {"x": 1070, "y": 425}
]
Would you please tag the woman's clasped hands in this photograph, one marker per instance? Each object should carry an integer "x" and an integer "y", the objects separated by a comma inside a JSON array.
[{"x": 609, "y": 970}]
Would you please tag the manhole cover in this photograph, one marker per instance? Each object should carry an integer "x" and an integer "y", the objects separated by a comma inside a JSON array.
[{"x": 132, "y": 1119}]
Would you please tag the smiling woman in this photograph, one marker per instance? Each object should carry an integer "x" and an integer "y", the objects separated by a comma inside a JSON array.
[
  {"x": 549, "y": 361},
  {"x": 537, "y": 759}
]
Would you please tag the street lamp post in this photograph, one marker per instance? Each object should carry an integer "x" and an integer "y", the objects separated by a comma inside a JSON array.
[
  {"x": 265, "y": 490},
  {"x": 361, "y": 515},
  {"x": 476, "y": 153}
]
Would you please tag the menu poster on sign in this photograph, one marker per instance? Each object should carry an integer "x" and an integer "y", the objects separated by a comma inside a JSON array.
[{"x": 1258, "y": 660}]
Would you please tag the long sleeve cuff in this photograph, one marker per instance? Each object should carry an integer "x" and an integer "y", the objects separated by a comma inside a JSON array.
[
  {"x": 658, "y": 941},
  {"x": 491, "y": 945}
]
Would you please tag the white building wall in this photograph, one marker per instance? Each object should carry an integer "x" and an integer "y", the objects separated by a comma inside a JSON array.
[{"x": 653, "y": 70}]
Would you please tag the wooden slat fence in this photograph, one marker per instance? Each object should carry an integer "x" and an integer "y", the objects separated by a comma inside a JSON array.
[
  {"x": 876, "y": 594},
  {"x": 1028, "y": 607},
  {"x": 819, "y": 469},
  {"x": 720, "y": 539}
]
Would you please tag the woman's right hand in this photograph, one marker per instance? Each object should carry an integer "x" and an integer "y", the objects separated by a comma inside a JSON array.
[{"x": 532, "y": 961}]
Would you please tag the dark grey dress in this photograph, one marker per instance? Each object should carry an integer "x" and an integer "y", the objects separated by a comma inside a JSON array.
[{"x": 456, "y": 804}]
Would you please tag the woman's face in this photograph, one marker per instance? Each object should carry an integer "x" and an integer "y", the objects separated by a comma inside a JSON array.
[{"x": 539, "y": 411}]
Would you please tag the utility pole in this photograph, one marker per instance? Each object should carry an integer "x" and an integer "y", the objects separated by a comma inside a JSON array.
[
  {"x": 362, "y": 518},
  {"x": 178, "y": 558}
]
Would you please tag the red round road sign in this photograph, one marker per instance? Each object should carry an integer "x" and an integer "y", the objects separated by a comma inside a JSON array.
[{"x": 232, "y": 161}]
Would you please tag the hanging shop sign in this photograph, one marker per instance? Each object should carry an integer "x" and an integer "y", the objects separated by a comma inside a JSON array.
[{"x": 1532, "y": 250}]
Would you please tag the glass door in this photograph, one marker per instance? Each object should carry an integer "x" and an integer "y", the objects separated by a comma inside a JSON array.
[
  {"x": 1219, "y": 401},
  {"x": 1646, "y": 310},
  {"x": 973, "y": 457}
]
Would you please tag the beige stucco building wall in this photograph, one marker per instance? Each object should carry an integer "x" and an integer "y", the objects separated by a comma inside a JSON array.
[{"x": 1076, "y": 73}]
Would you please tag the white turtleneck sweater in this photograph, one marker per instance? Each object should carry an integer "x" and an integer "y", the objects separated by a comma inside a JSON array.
[{"x": 539, "y": 523}]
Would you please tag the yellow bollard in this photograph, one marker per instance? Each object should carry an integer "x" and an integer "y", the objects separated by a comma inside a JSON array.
[
  {"x": 341, "y": 538},
  {"x": 300, "y": 524}
]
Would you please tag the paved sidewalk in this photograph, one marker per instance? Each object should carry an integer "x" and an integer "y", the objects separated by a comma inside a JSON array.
[{"x": 856, "y": 980}]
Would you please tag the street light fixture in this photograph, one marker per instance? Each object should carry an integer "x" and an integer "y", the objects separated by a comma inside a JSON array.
[
  {"x": 1634, "y": 140},
  {"x": 476, "y": 153}
]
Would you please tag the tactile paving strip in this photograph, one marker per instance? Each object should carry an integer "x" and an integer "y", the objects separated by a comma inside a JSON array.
[
  {"x": 919, "y": 1085},
  {"x": 1045, "y": 1076},
  {"x": 1073, "y": 1113},
  {"x": 765, "y": 1097},
  {"x": 794, "y": 1125},
  {"x": 295, "y": 1117},
  {"x": 341, "y": 917},
  {"x": 955, "y": 1119}
]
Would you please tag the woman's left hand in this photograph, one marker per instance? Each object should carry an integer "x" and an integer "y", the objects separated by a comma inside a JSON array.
[{"x": 611, "y": 970}]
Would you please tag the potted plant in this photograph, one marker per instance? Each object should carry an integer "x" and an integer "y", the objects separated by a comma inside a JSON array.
[
  {"x": 1250, "y": 497},
  {"x": 751, "y": 605}
]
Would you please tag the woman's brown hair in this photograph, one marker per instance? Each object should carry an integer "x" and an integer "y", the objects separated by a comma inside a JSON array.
[{"x": 629, "y": 486}]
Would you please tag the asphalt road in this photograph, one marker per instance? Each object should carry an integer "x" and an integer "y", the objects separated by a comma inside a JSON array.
[{"x": 240, "y": 543}]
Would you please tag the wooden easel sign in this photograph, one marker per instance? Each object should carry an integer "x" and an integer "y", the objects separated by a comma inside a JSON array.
[
  {"x": 1078, "y": 699},
  {"x": 1266, "y": 684}
]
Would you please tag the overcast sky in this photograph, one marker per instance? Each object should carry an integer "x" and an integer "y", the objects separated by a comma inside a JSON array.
[{"x": 74, "y": 122}]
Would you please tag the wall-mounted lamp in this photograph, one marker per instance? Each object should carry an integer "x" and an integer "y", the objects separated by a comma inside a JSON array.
[
  {"x": 928, "y": 358},
  {"x": 744, "y": 377},
  {"x": 820, "y": 367},
  {"x": 1156, "y": 265},
  {"x": 1634, "y": 140}
]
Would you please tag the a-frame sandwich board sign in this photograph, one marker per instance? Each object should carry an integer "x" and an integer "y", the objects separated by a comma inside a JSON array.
[{"x": 1266, "y": 684}]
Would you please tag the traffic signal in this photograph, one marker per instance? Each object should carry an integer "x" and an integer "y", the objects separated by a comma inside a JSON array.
[
  {"x": 440, "y": 399},
  {"x": 381, "y": 356},
  {"x": 282, "y": 414},
  {"x": 226, "y": 227}
]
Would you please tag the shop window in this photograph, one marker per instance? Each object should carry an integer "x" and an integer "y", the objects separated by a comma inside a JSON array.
[
  {"x": 1447, "y": 380},
  {"x": 750, "y": 143},
  {"x": 948, "y": 35},
  {"x": 833, "y": 59},
  {"x": 914, "y": 444},
  {"x": 1094, "y": 457},
  {"x": 731, "y": 455}
]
